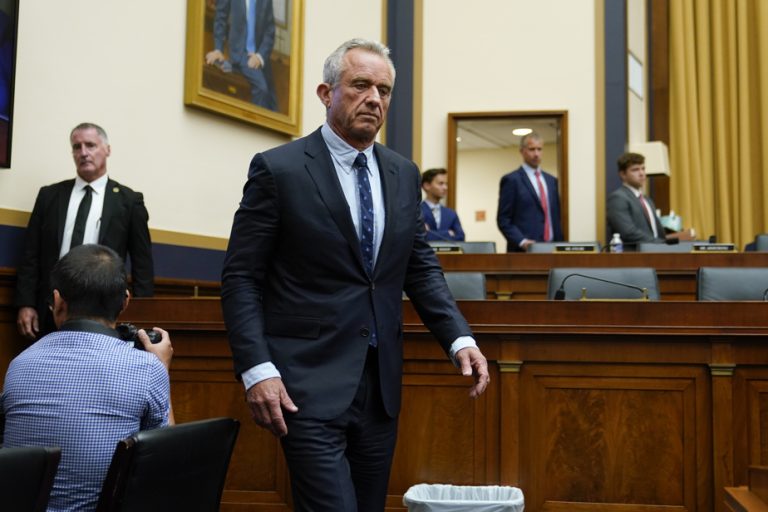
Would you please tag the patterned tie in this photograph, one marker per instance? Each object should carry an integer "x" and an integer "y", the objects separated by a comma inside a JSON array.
[
  {"x": 366, "y": 211},
  {"x": 82, "y": 216},
  {"x": 544, "y": 206},
  {"x": 366, "y": 223}
]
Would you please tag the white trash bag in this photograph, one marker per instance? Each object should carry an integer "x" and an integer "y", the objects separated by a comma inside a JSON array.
[{"x": 463, "y": 498}]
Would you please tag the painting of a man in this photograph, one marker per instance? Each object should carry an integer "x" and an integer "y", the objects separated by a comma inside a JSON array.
[{"x": 244, "y": 35}]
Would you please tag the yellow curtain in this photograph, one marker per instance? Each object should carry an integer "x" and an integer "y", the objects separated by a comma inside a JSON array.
[{"x": 719, "y": 116}]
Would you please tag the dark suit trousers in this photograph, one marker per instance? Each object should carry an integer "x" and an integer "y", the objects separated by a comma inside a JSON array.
[{"x": 343, "y": 465}]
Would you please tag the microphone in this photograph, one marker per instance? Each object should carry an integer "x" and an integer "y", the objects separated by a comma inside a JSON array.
[{"x": 560, "y": 293}]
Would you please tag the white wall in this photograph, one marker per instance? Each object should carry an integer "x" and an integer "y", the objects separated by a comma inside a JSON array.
[
  {"x": 121, "y": 65},
  {"x": 514, "y": 55}
]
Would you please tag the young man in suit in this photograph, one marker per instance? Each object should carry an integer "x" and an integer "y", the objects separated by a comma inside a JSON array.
[
  {"x": 441, "y": 222},
  {"x": 328, "y": 235},
  {"x": 529, "y": 204},
  {"x": 630, "y": 212},
  {"x": 90, "y": 209}
]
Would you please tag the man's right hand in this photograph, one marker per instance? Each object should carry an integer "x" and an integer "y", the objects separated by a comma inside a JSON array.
[
  {"x": 266, "y": 399},
  {"x": 27, "y": 322},
  {"x": 213, "y": 56},
  {"x": 162, "y": 349}
]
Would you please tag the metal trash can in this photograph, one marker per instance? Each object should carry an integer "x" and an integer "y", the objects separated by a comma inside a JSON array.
[{"x": 461, "y": 498}]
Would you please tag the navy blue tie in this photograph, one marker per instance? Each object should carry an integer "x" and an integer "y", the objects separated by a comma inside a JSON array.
[
  {"x": 366, "y": 223},
  {"x": 366, "y": 211}
]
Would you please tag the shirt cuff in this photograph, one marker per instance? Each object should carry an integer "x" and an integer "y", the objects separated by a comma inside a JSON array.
[
  {"x": 460, "y": 343},
  {"x": 259, "y": 373}
]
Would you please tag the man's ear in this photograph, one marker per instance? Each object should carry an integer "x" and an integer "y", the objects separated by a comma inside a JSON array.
[
  {"x": 59, "y": 309},
  {"x": 126, "y": 300},
  {"x": 324, "y": 93}
]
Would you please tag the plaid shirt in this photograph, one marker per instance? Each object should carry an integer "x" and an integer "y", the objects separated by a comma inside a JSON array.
[{"x": 82, "y": 390}]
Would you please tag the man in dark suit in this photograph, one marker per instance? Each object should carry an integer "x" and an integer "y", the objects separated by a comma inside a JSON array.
[
  {"x": 248, "y": 27},
  {"x": 113, "y": 215},
  {"x": 328, "y": 235},
  {"x": 441, "y": 222},
  {"x": 529, "y": 204},
  {"x": 633, "y": 215},
  {"x": 630, "y": 213}
]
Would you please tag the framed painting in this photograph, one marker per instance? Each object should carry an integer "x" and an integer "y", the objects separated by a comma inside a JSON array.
[
  {"x": 9, "y": 10},
  {"x": 243, "y": 60}
]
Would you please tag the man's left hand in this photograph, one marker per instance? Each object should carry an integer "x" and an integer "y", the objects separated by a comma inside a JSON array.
[
  {"x": 473, "y": 362},
  {"x": 254, "y": 61}
]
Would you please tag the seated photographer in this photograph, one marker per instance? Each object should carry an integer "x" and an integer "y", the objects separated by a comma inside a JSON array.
[{"x": 83, "y": 388}]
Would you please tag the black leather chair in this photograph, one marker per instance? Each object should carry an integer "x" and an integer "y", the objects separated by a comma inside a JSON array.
[
  {"x": 549, "y": 247},
  {"x": 761, "y": 243},
  {"x": 684, "y": 246},
  {"x": 602, "y": 283},
  {"x": 182, "y": 467},
  {"x": 26, "y": 477},
  {"x": 478, "y": 247},
  {"x": 729, "y": 283},
  {"x": 466, "y": 285}
]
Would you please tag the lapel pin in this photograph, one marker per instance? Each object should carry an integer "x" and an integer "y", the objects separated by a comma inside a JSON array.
[{"x": 115, "y": 189}]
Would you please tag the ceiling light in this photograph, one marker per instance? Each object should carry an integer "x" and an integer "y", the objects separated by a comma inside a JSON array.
[{"x": 520, "y": 132}]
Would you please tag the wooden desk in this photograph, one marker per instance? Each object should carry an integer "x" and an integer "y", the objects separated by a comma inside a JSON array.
[
  {"x": 610, "y": 406},
  {"x": 524, "y": 276},
  {"x": 620, "y": 406}
]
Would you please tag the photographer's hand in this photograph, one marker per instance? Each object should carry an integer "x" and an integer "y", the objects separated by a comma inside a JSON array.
[
  {"x": 162, "y": 349},
  {"x": 164, "y": 352}
]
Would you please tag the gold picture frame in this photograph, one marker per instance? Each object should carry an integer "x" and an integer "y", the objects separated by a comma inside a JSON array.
[{"x": 227, "y": 86}]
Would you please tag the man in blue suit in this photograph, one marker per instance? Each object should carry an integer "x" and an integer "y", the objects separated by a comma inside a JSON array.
[
  {"x": 529, "y": 204},
  {"x": 248, "y": 27},
  {"x": 441, "y": 222},
  {"x": 328, "y": 235}
]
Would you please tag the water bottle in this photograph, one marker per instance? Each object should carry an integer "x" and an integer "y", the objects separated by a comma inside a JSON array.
[{"x": 616, "y": 244}]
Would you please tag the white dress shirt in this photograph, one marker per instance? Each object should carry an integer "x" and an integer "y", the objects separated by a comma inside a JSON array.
[{"x": 93, "y": 224}]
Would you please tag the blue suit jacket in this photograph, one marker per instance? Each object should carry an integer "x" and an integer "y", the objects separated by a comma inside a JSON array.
[
  {"x": 449, "y": 221},
  {"x": 520, "y": 214},
  {"x": 295, "y": 290}
]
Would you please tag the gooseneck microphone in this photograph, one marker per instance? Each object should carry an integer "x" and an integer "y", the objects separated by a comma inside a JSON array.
[{"x": 560, "y": 293}]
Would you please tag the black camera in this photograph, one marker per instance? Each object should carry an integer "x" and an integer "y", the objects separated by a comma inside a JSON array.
[{"x": 130, "y": 333}]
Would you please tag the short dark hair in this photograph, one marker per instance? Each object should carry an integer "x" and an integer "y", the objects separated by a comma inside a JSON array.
[
  {"x": 91, "y": 279},
  {"x": 627, "y": 160},
  {"x": 429, "y": 175}
]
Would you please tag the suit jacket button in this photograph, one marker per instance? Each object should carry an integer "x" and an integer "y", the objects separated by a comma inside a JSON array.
[{"x": 364, "y": 332}]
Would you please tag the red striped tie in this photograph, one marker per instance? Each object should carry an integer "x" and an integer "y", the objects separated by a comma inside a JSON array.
[{"x": 543, "y": 199}]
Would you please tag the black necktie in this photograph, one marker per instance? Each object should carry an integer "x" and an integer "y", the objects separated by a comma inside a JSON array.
[
  {"x": 366, "y": 211},
  {"x": 82, "y": 216}
]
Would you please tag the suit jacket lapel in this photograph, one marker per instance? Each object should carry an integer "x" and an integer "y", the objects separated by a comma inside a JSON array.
[
  {"x": 390, "y": 189},
  {"x": 110, "y": 207},
  {"x": 64, "y": 193},
  {"x": 323, "y": 173},
  {"x": 529, "y": 186}
]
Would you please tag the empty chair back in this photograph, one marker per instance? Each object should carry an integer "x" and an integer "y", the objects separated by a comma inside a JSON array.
[
  {"x": 182, "y": 467},
  {"x": 466, "y": 285},
  {"x": 478, "y": 247},
  {"x": 546, "y": 247},
  {"x": 684, "y": 246},
  {"x": 728, "y": 283},
  {"x": 603, "y": 283},
  {"x": 26, "y": 477},
  {"x": 761, "y": 243}
]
